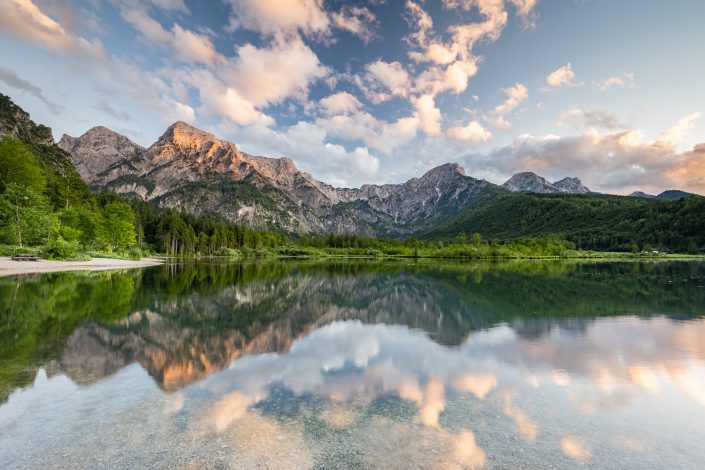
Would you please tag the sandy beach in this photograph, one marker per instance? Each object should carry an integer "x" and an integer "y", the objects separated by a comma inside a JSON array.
[{"x": 8, "y": 267}]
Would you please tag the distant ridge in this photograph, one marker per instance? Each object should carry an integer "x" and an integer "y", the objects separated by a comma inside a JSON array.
[{"x": 531, "y": 182}]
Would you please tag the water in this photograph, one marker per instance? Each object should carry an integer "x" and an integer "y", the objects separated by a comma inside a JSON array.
[{"x": 355, "y": 365}]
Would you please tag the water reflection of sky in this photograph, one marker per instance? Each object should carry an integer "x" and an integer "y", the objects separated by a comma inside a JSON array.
[{"x": 619, "y": 392}]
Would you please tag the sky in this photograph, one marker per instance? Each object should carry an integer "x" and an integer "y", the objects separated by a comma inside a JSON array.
[{"x": 610, "y": 91}]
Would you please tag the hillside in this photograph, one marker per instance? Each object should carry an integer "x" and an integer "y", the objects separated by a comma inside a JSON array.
[
  {"x": 64, "y": 185},
  {"x": 590, "y": 221}
]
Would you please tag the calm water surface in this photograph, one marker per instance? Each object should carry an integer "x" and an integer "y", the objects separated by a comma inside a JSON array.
[{"x": 355, "y": 365}]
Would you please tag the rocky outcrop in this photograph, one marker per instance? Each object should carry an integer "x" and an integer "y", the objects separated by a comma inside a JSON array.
[
  {"x": 98, "y": 150},
  {"x": 192, "y": 170},
  {"x": 531, "y": 182}
]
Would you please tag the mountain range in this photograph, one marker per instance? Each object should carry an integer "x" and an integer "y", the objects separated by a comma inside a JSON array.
[{"x": 196, "y": 172}]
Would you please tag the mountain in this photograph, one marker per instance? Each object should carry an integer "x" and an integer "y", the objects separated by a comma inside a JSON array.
[
  {"x": 64, "y": 184},
  {"x": 668, "y": 195},
  {"x": 642, "y": 195},
  {"x": 192, "y": 170},
  {"x": 591, "y": 221},
  {"x": 531, "y": 182},
  {"x": 673, "y": 195}
]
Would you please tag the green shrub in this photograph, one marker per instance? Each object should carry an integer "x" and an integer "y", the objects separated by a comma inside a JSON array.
[
  {"x": 61, "y": 249},
  {"x": 225, "y": 251}
]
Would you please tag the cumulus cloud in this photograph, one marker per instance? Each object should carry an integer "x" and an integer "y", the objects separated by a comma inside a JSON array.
[
  {"x": 377, "y": 134},
  {"x": 563, "y": 77},
  {"x": 270, "y": 74},
  {"x": 515, "y": 96},
  {"x": 277, "y": 16},
  {"x": 578, "y": 118},
  {"x": 23, "y": 19},
  {"x": 340, "y": 103},
  {"x": 624, "y": 80},
  {"x": 384, "y": 80},
  {"x": 473, "y": 132},
  {"x": 10, "y": 78},
  {"x": 674, "y": 136},
  {"x": 429, "y": 115},
  {"x": 308, "y": 17},
  {"x": 615, "y": 161}
]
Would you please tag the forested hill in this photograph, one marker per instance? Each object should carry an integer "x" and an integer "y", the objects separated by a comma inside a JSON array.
[
  {"x": 590, "y": 221},
  {"x": 63, "y": 184}
]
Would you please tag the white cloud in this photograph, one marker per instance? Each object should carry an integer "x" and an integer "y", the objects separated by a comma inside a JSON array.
[
  {"x": 615, "y": 161},
  {"x": 267, "y": 75},
  {"x": 625, "y": 80},
  {"x": 383, "y": 80},
  {"x": 23, "y": 19},
  {"x": 674, "y": 136},
  {"x": 377, "y": 134},
  {"x": 473, "y": 132},
  {"x": 515, "y": 96},
  {"x": 340, "y": 103},
  {"x": 563, "y": 77},
  {"x": 359, "y": 21},
  {"x": 277, "y": 16},
  {"x": 429, "y": 115},
  {"x": 185, "y": 45}
]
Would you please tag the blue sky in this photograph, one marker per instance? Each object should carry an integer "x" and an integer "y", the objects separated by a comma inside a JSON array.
[{"x": 359, "y": 92}]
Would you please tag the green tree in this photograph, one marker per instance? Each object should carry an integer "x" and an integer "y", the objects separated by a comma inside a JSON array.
[
  {"x": 24, "y": 215},
  {"x": 117, "y": 226},
  {"x": 19, "y": 165}
]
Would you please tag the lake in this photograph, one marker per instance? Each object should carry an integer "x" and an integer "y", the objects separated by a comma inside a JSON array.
[{"x": 355, "y": 364}]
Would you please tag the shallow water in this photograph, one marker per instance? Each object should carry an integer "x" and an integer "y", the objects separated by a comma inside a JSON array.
[{"x": 355, "y": 365}]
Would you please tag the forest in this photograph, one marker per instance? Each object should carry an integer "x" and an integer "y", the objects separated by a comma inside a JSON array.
[{"x": 46, "y": 209}]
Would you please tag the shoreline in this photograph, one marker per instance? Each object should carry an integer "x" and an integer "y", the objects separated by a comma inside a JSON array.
[{"x": 8, "y": 267}]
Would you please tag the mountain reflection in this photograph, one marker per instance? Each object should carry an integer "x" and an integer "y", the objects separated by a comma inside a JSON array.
[
  {"x": 356, "y": 365},
  {"x": 183, "y": 322}
]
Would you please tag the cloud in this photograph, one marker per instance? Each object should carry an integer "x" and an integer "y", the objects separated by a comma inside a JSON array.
[
  {"x": 563, "y": 77},
  {"x": 473, "y": 132},
  {"x": 359, "y": 21},
  {"x": 619, "y": 161},
  {"x": 11, "y": 79},
  {"x": 380, "y": 135},
  {"x": 625, "y": 80},
  {"x": 23, "y": 19},
  {"x": 578, "y": 118},
  {"x": 515, "y": 96},
  {"x": 185, "y": 45},
  {"x": 383, "y": 80},
  {"x": 105, "y": 108},
  {"x": 429, "y": 115},
  {"x": 340, "y": 103},
  {"x": 277, "y": 16},
  {"x": 674, "y": 136},
  {"x": 171, "y": 5},
  {"x": 285, "y": 68}
]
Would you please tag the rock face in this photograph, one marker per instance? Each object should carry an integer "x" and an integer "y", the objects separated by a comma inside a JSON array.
[
  {"x": 531, "y": 182},
  {"x": 98, "y": 150},
  {"x": 192, "y": 170}
]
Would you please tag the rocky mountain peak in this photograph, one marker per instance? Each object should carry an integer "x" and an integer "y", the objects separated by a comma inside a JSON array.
[
  {"x": 571, "y": 185},
  {"x": 531, "y": 182},
  {"x": 444, "y": 171},
  {"x": 185, "y": 136}
]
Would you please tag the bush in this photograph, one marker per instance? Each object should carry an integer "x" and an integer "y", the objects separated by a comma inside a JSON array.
[
  {"x": 61, "y": 249},
  {"x": 12, "y": 250},
  {"x": 225, "y": 251}
]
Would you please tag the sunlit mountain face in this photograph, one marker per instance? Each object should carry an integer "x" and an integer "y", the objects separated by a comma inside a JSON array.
[
  {"x": 356, "y": 364},
  {"x": 382, "y": 91}
]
